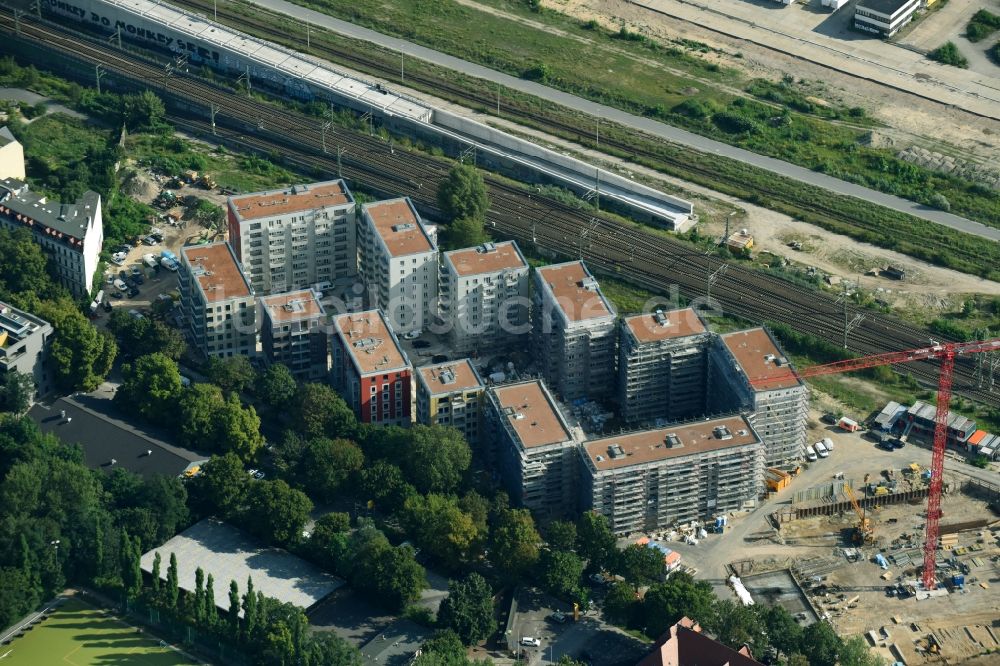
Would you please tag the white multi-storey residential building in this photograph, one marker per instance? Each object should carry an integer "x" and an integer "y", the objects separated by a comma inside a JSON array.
[
  {"x": 647, "y": 480},
  {"x": 574, "y": 332},
  {"x": 24, "y": 346},
  {"x": 399, "y": 262},
  {"x": 485, "y": 296},
  {"x": 217, "y": 301},
  {"x": 71, "y": 234},
  {"x": 11, "y": 156},
  {"x": 295, "y": 238}
]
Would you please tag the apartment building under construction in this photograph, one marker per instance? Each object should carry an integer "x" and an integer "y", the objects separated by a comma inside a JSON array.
[
  {"x": 663, "y": 366},
  {"x": 748, "y": 372},
  {"x": 651, "y": 479}
]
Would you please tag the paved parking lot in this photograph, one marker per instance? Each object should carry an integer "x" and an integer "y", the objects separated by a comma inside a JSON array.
[{"x": 589, "y": 639}]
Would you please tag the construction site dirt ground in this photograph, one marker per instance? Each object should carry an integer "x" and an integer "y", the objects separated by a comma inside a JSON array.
[{"x": 814, "y": 546}]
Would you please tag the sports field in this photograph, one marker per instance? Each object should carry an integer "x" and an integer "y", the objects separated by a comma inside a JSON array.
[{"x": 80, "y": 635}]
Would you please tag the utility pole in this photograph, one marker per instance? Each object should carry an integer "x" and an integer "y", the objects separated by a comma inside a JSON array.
[
  {"x": 215, "y": 9},
  {"x": 728, "y": 218},
  {"x": 597, "y": 188},
  {"x": 598, "y": 141},
  {"x": 308, "y": 41},
  {"x": 340, "y": 171},
  {"x": 17, "y": 20},
  {"x": 712, "y": 277},
  {"x": 498, "y": 98},
  {"x": 98, "y": 73},
  {"x": 117, "y": 36},
  {"x": 326, "y": 126},
  {"x": 213, "y": 109},
  {"x": 402, "y": 73}
]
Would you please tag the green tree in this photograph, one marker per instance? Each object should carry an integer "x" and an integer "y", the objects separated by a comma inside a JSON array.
[
  {"x": 276, "y": 386},
  {"x": 327, "y": 464},
  {"x": 328, "y": 543},
  {"x": 463, "y": 194},
  {"x": 820, "y": 644},
  {"x": 621, "y": 604},
  {"x": 324, "y": 648},
  {"x": 233, "y": 617},
  {"x": 155, "y": 576},
  {"x": 465, "y": 232},
  {"x": 468, "y": 609},
  {"x": 238, "y": 428},
  {"x": 150, "y": 387},
  {"x": 384, "y": 483},
  {"x": 559, "y": 573},
  {"x": 210, "y": 612},
  {"x": 250, "y": 618},
  {"x": 139, "y": 337},
  {"x": 197, "y": 412},
  {"x": 198, "y": 602},
  {"x": 233, "y": 373},
  {"x": 855, "y": 652},
  {"x": 640, "y": 565},
  {"x": 438, "y": 458},
  {"x": 515, "y": 542},
  {"x": 277, "y": 512},
  {"x": 391, "y": 574},
  {"x": 222, "y": 486},
  {"x": 24, "y": 276},
  {"x": 16, "y": 392},
  {"x": 735, "y": 625},
  {"x": 80, "y": 355},
  {"x": 440, "y": 527},
  {"x": 445, "y": 649},
  {"x": 143, "y": 111},
  {"x": 666, "y": 603},
  {"x": 561, "y": 535},
  {"x": 173, "y": 591},
  {"x": 784, "y": 633},
  {"x": 319, "y": 411},
  {"x": 594, "y": 541}
]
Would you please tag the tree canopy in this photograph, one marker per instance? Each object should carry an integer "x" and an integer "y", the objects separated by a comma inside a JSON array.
[
  {"x": 468, "y": 609},
  {"x": 462, "y": 195}
]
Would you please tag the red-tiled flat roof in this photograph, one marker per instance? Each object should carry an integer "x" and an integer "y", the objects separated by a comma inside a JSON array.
[
  {"x": 218, "y": 273},
  {"x": 295, "y": 199},
  {"x": 638, "y": 448},
  {"x": 397, "y": 223},
  {"x": 367, "y": 338},
  {"x": 762, "y": 362},
  {"x": 655, "y": 326},
  {"x": 530, "y": 412},
  {"x": 576, "y": 291},
  {"x": 487, "y": 258}
]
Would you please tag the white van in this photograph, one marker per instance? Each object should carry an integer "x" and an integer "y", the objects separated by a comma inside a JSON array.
[
  {"x": 828, "y": 443},
  {"x": 811, "y": 454},
  {"x": 821, "y": 450},
  {"x": 120, "y": 285}
]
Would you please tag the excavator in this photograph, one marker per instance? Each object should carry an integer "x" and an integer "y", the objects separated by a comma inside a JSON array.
[{"x": 865, "y": 531}]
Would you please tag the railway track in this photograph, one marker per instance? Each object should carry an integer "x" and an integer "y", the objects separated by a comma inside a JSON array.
[
  {"x": 482, "y": 98},
  {"x": 610, "y": 246}
]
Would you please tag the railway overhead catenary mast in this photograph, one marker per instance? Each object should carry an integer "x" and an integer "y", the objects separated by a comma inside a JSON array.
[{"x": 946, "y": 353}]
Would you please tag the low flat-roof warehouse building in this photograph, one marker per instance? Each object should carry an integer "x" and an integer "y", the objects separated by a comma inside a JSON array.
[{"x": 229, "y": 554}]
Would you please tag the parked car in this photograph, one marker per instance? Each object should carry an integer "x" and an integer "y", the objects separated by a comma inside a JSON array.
[
  {"x": 150, "y": 260},
  {"x": 107, "y": 306},
  {"x": 811, "y": 454},
  {"x": 821, "y": 450},
  {"x": 530, "y": 641},
  {"x": 412, "y": 335},
  {"x": 149, "y": 240},
  {"x": 897, "y": 443},
  {"x": 830, "y": 419},
  {"x": 122, "y": 275},
  {"x": 439, "y": 358},
  {"x": 558, "y": 617},
  {"x": 136, "y": 314},
  {"x": 421, "y": 344},
  {"x": 133, "y": 291},
  {"x": 120, "y": 285},
  {"x": 597, "y": 579}
]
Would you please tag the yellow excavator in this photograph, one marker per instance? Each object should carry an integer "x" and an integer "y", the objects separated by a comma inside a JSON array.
[{"x": 865, "y": 531}]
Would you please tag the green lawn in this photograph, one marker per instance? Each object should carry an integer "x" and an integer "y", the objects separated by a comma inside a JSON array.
[{"x": 81, "y": 635}]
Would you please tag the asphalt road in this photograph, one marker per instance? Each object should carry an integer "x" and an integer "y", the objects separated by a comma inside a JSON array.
[{"x": 647, "y": 125}]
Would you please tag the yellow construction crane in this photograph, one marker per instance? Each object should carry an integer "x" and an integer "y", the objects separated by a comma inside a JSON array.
[{"x": 865, "y": 532}]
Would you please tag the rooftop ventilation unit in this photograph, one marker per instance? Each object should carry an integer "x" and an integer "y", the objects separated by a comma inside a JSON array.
[
  {"x": 672, "y": 441},
  {"x": 294, "y": 306},
  {"x": 488, "y": 247},
  {"x": 405, "y": 226},
  {"x": 366, "y": 344},
  {"x": 600, "y": 459},
  {"x": 589, "y": 283},
  {"x": 781, "y": 361},
  {"x": 519, "y": 416},
  {"x": 660, "y": 318},
  {"x": 722, "y": 432},
  {"x": 508, "y": 411},
  {"x": 616, "y": 452},
  {"x": 447, "y": 376}
]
